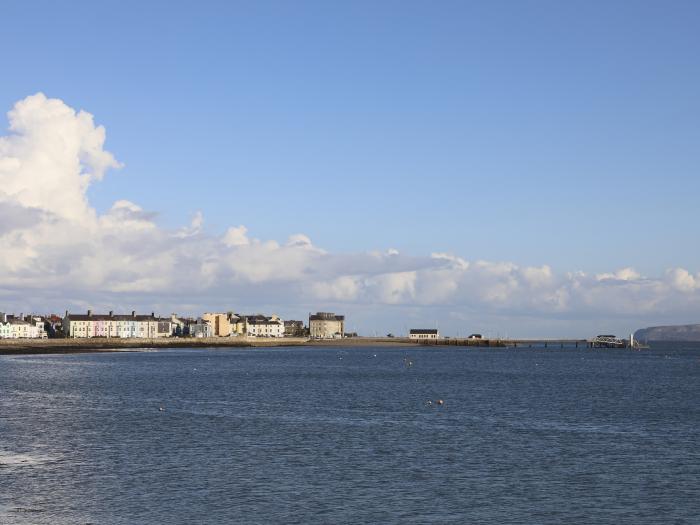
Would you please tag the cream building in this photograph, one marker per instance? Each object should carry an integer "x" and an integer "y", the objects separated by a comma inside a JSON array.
[
  {"x": 222, "y": 324},
  {"x": 326, "y": 325}
]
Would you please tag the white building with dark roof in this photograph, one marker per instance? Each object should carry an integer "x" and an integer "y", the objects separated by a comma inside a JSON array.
[
  {"x": 424, "y": 333},
  {"x": 20, "y": 329},
  {"x": 12, "y": 327},
  {"x": 263, "y": 326}
]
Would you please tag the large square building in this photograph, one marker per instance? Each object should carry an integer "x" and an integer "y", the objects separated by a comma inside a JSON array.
[{"x": 326, "y": 325}]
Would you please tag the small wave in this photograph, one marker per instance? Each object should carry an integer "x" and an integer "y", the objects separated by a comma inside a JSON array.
[{"x": 15, "y": 460}]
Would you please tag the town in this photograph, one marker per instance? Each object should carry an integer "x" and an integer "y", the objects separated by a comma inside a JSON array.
[
  {"x": 322, "y": 325},
  {"x": 221, "y": 326}
]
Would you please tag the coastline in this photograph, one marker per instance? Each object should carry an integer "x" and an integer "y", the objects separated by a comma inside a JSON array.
[{"x": 70, "y": 346}]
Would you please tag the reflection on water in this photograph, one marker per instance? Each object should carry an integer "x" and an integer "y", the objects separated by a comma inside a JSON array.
[{"x": 322, "y": 435}]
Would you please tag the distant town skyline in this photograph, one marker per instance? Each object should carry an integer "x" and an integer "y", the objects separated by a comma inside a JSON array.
[{"x": 523, "y": 169}]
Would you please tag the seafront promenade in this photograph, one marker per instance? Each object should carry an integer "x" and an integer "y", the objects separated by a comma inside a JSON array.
[
  {"x": 96, "y": 344},
  {"x": 103, "y": 344}
]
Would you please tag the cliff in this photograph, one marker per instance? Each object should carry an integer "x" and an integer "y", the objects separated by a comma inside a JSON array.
[{"x": 684, "y": 332}]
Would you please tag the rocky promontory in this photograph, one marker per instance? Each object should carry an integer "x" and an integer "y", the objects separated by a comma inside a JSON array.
[{"x": 683, "y": 332}]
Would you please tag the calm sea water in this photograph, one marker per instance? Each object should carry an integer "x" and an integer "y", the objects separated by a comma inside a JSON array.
[{"x": 329, "y": 435}]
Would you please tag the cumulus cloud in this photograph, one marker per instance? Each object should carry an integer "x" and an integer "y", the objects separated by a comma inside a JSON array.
[
  {"x": 682, "y": 280},
  {"x": 236, "y": 236},
  {"x": 51, "y": 156},
  {"x": 58, "y": 251}
]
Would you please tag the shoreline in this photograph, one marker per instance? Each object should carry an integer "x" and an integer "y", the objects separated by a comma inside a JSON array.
[{"x": 95, "y": 345}]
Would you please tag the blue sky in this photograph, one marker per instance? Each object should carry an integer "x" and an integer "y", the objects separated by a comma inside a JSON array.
[{"x": 542, "y": 132}]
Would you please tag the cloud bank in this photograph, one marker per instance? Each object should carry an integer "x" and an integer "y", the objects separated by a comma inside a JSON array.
[{"x": 58, "y": 252}]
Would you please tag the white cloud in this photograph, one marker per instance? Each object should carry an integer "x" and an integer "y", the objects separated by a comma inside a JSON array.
[
  {"x": 58, "y": 251},
  {"x": 194, "y": 228},
  {"x": 236, "y": 236},
  {"x": 298, "y": 239},
  {"x": 51, "y": 156},
  {"x": 682, "y": 280},
  {"x": 624, "y": 274},
  {"x": 344, "y": 288}
]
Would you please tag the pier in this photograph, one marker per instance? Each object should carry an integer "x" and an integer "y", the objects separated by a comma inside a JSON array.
[
  {"x": 513, "y": 343},
  {"x": 549, "y": 343},
  {"x": 596, "y": 342}
]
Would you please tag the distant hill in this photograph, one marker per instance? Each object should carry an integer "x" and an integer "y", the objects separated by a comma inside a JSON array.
[{"x": 682, "y": 332}]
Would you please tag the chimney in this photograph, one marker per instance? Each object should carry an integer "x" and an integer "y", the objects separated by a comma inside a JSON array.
[
  {"x": 153, "y": 314},
  {"x": 111, "y": 313},
  {"x": 66, "y": 314},
  {"x": 133, "y": 313},
  {"x": 89, "y": 313}
]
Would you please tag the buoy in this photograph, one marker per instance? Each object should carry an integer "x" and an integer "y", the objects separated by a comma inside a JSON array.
[
  {"x": 440, "y": 402},
  {"x": 161, "y": 409},
  {"x": 429, "y": 402}
]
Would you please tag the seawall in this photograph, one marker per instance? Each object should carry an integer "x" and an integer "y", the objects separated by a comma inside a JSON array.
[
  {"x": 103, "y": 344},
  {"x": 96, "y": 344}
]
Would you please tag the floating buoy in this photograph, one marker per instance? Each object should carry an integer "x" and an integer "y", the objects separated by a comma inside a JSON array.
[
  {"x": 440, "y": 402},
  {"x": 161, "y": 409},
  {"x": 429, "y": 402}
]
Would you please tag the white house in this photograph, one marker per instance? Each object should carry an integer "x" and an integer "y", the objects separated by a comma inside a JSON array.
[
  {"x": 424, "y": 333},
  {"x": 263, "y": 326},
  {"x": 21, "y": 327}
]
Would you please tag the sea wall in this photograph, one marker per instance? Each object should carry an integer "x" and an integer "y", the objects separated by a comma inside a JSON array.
[{"x": 38, "y": 346}]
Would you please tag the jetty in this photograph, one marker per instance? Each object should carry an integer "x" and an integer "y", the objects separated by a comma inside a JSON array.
[
  {"x": 513, "y": 343},
  {"x": 601, "y": 341}
]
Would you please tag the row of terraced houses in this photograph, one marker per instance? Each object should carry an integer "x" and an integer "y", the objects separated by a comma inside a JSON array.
[
  {"x": 21, "y": 327},
  {"x": 322, "y": 325}
]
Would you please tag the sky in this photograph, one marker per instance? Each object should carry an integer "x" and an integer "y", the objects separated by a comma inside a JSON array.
[{"x": 513, "y": 168}]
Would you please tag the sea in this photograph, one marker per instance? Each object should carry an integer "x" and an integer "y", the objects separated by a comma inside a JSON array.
[{"x": 352, "y": 435}]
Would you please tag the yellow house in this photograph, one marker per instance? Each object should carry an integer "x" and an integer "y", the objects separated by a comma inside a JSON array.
[{"x": 222, "y": 324}]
